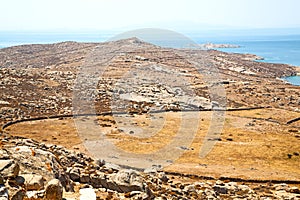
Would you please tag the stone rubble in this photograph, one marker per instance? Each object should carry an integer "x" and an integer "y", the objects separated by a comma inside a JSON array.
[
  {"x": 31, "y": 170},
  {"x": 38, "y": 80}
]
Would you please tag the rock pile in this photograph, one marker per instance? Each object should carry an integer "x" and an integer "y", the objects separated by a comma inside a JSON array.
[{"x": 32, "y": 170}]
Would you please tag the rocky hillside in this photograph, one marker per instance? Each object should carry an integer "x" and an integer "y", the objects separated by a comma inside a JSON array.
[
  {"x": 38, "y": 80},
  {"x": 32, "y": 170},
  {"x": 135, "y": 78}
]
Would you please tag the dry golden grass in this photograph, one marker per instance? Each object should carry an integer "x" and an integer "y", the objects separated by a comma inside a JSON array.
[
  {"x": 248, "y": 148},
  {"x": 151, "y": 144},
  {"x": 252, "y": 145},
  {"x": 51, "y": 131}
]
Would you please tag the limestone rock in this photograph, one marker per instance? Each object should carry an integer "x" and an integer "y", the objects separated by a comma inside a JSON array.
[
  {"x": 33, "y": 182},
  {"x": 163, "y": 177},
  {"x": 17, "y": 194},
  {"x": 99, "y": 180},
  {"x": 84, "y": 178},
  {"x": 75, "y": 174},
  {"x": 3, "y": 193},
  {"x": 190, "y": 188},
  {"x": 294, "y": 190},
  {"x": 281, "y": 186},
  {"x": 35, "y": 194},
  {"x": 19, "y": 180},
  {"x": 8, "y": 168},
  {"x": 54, "y": 190},
  {"x": 100, "y": 162},
  {"x": 127, "y": 181},
  {"x": 221, "y": 189},
  {"x": 3, "y": 154},
  {"x": 87, "y": 194}
]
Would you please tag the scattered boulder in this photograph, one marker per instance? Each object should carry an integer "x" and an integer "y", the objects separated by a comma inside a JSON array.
[
  {"x": 98, "y": 180},
  {"x": 75, "y": 174},
  {"x": 220, "y": 189},
  {"x": 295, "y": 190},
  {"x": 35, "y": 194},
  {"x": 281, "y": 186},
  {"x": 85, "y": 178},
  {"x": 33, "y": 182},
  {"x": 3, "y": 193},
  {"x": 163, "y": 177},
  {"x": 54, "y": 190},
  {"x": 3, "y": 154},
  {"x": 8, "y": 168},
  {"x": 127, "y": 181},
  {"x": 17, "y": 194},
  {"x": 87, "y": 194}
]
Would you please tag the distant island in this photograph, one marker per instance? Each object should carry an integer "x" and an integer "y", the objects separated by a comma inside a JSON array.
[{"x": 214, "y": 46}]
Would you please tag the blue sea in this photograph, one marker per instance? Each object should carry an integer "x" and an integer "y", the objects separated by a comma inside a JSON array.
[
  {"x": 8, "y": 39},
  {"x": 273, "y": 48}
]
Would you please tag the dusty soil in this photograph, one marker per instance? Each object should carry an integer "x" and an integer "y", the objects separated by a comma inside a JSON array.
[
  {"x": 253, "y": 144},
  {"x": 38, "y": 80}
]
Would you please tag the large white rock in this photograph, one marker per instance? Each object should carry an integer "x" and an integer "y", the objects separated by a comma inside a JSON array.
[
  {"x": 33, "y": 181},
  {"x": 127, "y": 181},
  {"x": 87, "y": 194}
]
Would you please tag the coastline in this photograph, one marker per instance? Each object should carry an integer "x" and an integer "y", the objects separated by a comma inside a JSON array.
[
  {"x": 294, "y": 79},
  {"x": 228, "y": 47}
]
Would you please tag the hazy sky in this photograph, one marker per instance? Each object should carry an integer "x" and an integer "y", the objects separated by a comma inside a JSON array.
[{"x": 108, "y": 14}]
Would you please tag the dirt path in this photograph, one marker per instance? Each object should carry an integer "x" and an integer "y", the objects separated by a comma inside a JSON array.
[{"x": 254, "y": 144}]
